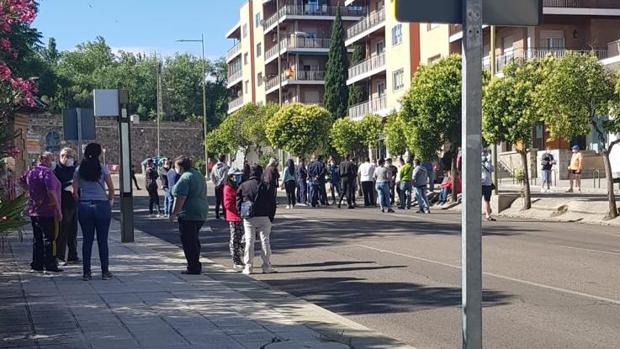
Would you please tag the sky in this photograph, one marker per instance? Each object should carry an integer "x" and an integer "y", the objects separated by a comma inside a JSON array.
[{"x": 140, "y": 25}]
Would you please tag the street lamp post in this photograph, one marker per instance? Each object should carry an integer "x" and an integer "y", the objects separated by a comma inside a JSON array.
[{"x": 204, "y": 95}]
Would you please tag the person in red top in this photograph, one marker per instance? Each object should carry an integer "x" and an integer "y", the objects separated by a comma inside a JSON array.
[
  {"x": 233, "y": 218},
  {"x": 446, "y": 188}
]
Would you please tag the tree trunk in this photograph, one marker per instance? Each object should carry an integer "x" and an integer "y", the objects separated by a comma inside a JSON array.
[
  {"x": 527, "y": 198},
  {"x": 454, "y": 173},
  {"x": 611, "y": 196}
]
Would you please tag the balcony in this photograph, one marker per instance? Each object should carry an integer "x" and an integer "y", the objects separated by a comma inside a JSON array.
[
  {"x": 233, "y": 52},
  {"x": 366, "y": 69},
  {"x": 234, "y": 78},
  {"x": 301, "y": 77},
  {"x": 374, "y": 106},
  {"x": 296, "y": 43},
  {"x": 537, "y": 53},
  {"x": 598, "y": 4},
  {"x": 312, "y": 12},
  {"x": 366, "y": 26},
  {"x": 235, "y": 104}
]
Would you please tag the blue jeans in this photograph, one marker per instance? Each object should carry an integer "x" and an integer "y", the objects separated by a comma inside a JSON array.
[
  {"x": 443, "y": 195},
  {"x": 95, "y": 216},
  {"x": 383, "y": 190},
  {"x": 405, "y": 194},
  {"x": 168, "y": 201},
  {"x": 420, "y": 196}
]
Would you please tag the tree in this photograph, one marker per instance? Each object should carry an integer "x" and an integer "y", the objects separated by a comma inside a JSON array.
[
  {"x": 356, "y": 92},
  {"x": 510, "y": 114},
  {"x": 431, "y": 111},
  {"x": 576, "y": 92},
  {"x": 253, "y": 127},
  {"x": 345, "y": 137},
  {"x": 370, "y": 129},
  {"x": 395, "y": 139},
  {"x": 217, "y": 142},
  {"x": 337, "y": 71},
  {"x": 300, "y": 129}
]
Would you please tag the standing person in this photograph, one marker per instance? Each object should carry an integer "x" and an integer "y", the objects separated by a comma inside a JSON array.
[
  {"x": 257, "y": 205},
  {"x": 487, "y": 184},
  {"x": 574, "y": 168},
  {"x": 231, "y": 213},
  {"x": 302, "y": 184},
  {"x": 133, "y": 177},
  {"x": 346, "y": 172},
  {"x": 420, "y": 183},
  {"x": 316, "y": 180},
  {"x": 393, "y": 176},
  {"x": 45, "y": 211},
  {"x": 383, "y": 177},
  {"x": 64, "y": 171},
  {"x": 272, "y": 176},
  {"x": 547, "y": 162},
  {"x": 190, "y": 210},
  {"x": 95, "y": 209},
  {"x": 366, "y": 172},
  {"x": 334, "y": 180},
  {"x": 406, "y": 174},
  {"x": 219, "y": 174},
  {"x": 289, "y": 183},
  {"x": 428, "y": 165},
  {"x": 150, "y": 178},
  {"x": 169, "y": 178}
]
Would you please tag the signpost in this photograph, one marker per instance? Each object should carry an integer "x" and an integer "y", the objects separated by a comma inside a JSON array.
[
  {"x": 472, "y": 14},
  {"x": 78, "y": 125},
  {"x": 114, "y": 103}
]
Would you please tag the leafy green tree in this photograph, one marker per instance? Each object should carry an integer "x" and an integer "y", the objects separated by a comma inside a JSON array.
[
  {"x": 395, "y": 139},
  {"x": 300, "y": 129},
  {"x": 217, "y": 142},
  {"x": 575, "y": 92},
  {"x": 431, "y": 110},
  {"x": 337, "y": 72},
  {"x": 253, "y": 127},
  {"x": 370, "y": 129},
  {"x": 345, "y": 137},
  {"x": 356, "y": 92},
  {"x": 510, "y": 113}
]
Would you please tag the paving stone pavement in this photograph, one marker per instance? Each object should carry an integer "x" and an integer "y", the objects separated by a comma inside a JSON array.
[{"x": 148, "y": 304}]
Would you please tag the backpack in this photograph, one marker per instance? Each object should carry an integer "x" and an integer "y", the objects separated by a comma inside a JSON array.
[{"x": 247, "y": 207}]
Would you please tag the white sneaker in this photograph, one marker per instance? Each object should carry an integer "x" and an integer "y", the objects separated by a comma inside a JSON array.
[
  {"x": 288, "y": 207},
  {"x": 238, "y": 266},
  {"x": 268, "y": 270},
  {"x": 247, "y": 270}
]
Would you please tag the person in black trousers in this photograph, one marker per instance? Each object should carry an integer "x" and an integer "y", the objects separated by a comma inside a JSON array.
[
  {"x": 67, "y": 238},
  {"x": 302, "y": 184},
  {"x": 133, "y": 177},
  {"x": 151, "y": 186},
  {"x": 347, "y": 172}
]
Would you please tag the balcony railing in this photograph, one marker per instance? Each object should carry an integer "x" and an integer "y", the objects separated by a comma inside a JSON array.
[
  {"x": 374, "y": 105},
  {"x": 608, "y": 4},
  {"x": 313, "y": 10},
  {"x": 538, "y": 53},
  {"x": 235, "y": 103},
  {"x": 373, "y": 19},
  {"x": 374, "y": 62},
  {"x": 234, "y": 76},
  {"x": 298, "y": 42},
  {"x": 300, "y": 75},
  {"x": 613, "y": 48},
  {"x": 232, "y": 52}
]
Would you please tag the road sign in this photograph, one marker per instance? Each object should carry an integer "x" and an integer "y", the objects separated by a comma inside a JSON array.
[
  {"x": 494, "y": 12},
  {"x": 106, "y": 102},
  {"x": 73, "y": 117}
]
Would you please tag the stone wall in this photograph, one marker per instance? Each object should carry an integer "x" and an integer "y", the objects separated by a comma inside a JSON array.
[{"x": 176, "y": 138}]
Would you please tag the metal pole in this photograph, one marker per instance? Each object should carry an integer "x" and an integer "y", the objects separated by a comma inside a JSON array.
[
  {"x": 159, "y": 106},
  {"x": 471, "y": 215},
  {"x": 493, "y": 72},
  {"x": 126, "y": 194},
  {"x": 79, "y": 132},
  {"x": 204, "y": 102},
  {"x": 279, "y": 50}
]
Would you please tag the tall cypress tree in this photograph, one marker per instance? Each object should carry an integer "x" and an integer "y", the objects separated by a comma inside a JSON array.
[
  {"x": 336, "y": 91},
  {"x": 356, "y": 92}
]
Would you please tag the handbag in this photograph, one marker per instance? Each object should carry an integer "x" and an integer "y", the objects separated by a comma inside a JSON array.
[
  {"x": 493, "y": 187},
  {"x": 247, "y": 207}
]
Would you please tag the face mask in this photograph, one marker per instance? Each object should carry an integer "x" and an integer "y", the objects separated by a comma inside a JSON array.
[
  {"x": 177, "y": 171},
  {"x": 237, "y": 179},
  {"x": 53, "y": 165},
  {"x": 69, "y": 162}
]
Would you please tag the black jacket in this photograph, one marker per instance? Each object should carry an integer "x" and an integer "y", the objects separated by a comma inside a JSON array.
[
  {"x": 271, "y": 176},
  {"x": 317, "y": 170},
  {"x": 347, "y": 170},
  {"x": 259, "y": 192},
  {"x": 65, "y": 176}
]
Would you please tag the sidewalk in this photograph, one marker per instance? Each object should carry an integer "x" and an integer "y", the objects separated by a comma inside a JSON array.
[{"x": 149, "y": 304}]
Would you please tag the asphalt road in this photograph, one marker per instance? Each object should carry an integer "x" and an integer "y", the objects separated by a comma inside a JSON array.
[{"x": 546, "y": 285}]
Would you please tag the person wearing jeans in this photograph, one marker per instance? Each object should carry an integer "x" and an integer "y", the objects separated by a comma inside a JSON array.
[
  {"x": 383, "y": 177},
  {"x": 406, "y": 173},
  {"x": 366, "y": 172},
  {"x": 45, "y": 212},
  {"x": 420, "y": 183},
  {"x": 190, "y": 206},
  {"x": 257, "y": 206},
  {"x": 95, "y": 208},
  {"x": 167, "y": 188}
]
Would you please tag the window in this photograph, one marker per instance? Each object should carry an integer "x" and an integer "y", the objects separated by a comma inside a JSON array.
[
  {"x": 397, "y": 34},
  {"x": 245, "y": 58},
  {"x": 381, "y": 89},
  {"x": 245, "y": 30},
  {"x": 380, "y": 47},
  {"x": 259, "y": 49},
  {"x": 399, "y": 79},
  {"x": 259, "y": 79},
  {"x": 257, "y": 20},
  {"x": 247, "y": 86},
  {"x": 552, "y": 39},
  {"x": 431, "y": 26}
]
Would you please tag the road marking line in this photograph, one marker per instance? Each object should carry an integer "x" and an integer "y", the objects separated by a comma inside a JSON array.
[
  {"x": 530, "y": 283},
  {"x": 615, "y": 252}
]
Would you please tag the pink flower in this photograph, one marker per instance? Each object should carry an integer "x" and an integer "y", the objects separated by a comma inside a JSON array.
[
  {"x": 5, "y": 44},
  {"x": 5, "y": 72}
]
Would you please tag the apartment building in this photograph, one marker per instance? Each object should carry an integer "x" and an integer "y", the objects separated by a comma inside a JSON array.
[
  {"x": 391, "y": 55},
  {"x": 280, "y": 50}
]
